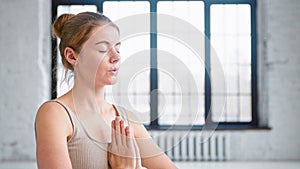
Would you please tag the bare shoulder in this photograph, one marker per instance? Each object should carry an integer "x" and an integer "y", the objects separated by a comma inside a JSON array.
[
  {"x": 49, "y": 110},
  {"x": 50, "y": 105},
  {"x": 53, "y": 127},
  {"x": 52, "y": 115}
]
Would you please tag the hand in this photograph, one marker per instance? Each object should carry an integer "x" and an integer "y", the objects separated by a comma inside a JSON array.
[
  {"x": 122, "y": 151},
  {"x": 138, "y": 156}
]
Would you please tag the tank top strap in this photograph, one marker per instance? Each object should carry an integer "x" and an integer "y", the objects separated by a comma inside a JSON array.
[{"x": 68, "y": 110}]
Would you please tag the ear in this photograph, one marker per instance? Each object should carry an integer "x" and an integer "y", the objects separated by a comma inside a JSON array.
[{"x": 71, "y": 56}]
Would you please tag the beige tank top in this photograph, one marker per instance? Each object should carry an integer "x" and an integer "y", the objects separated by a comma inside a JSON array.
[{"x": 84, "y": 151}]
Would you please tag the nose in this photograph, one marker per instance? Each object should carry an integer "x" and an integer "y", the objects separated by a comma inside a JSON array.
[{"x": 114, "y": 56}]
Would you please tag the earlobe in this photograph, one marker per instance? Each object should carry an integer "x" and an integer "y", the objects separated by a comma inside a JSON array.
[{"x": 71, "y": 56}]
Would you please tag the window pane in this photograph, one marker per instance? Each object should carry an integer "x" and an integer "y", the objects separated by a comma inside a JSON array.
[
  {"x": 137, "y": 91},
  {"x": 180, "y": 69},
  {"x": 231, "y": 40},
  {"x": 232, "y": 106},
  {"x": 64, "y": 85},
  {"x": 245, "y": 106}
]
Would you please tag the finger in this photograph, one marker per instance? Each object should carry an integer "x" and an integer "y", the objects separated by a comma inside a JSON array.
[
  {"x": 123, "y": 132},
  {"x": 113, "y": 139},
  {"x": 117, "y": 131},
  {"x": 127, "y": 132},
  {"x": 129, "y": 143},
  {"x": 122, "y": 128},
  {"x": 113, "y": 135}
]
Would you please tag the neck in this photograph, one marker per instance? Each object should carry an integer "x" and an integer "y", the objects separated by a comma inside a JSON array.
[{"x": 88, "y": 98}]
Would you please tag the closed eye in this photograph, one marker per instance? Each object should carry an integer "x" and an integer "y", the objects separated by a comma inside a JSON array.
[{"x": 102, "y": 51}]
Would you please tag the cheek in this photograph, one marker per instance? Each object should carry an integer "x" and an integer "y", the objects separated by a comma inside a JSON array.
[
  {"x": 100, "y": 69},
  {"x": 91, "y": 64},
  {"x": 96, "y": 63},
  {"x": 102, "y": 66}
]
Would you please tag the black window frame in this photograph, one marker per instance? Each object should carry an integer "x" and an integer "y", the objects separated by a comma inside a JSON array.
[{"x": 154, "y": 125}]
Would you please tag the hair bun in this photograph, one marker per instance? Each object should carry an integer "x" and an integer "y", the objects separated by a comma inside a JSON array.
[{"x": 59, "y": 23}]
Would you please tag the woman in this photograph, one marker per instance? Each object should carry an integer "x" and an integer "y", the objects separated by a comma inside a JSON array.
[{"x": 80, "y": 129}]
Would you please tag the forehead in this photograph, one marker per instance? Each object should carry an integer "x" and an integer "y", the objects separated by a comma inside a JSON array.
[{"x": 107, "y": 32}]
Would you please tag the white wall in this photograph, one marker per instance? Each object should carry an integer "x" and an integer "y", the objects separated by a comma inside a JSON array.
[
  {"x": 25, "y": 84},
  {"x": 24, "y": 73},
  {"x": 278, "y": 60}
]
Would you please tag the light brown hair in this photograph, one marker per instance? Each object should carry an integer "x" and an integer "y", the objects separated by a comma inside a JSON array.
[{"x": 74, "y": 30}]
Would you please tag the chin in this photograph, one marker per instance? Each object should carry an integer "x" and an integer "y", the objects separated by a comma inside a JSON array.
[
  {"x": 114, "y": 82},
  {"x": 111, "y": 82},
  {"x": 106, "y": 82}
]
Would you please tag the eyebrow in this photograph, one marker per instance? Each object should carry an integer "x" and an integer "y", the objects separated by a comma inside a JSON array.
[{"x": 106, "y": 42}]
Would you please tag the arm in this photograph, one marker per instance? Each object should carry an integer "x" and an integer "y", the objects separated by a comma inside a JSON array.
[
  {"x": 152, "y": 156},
  {"x": 53, "y": 127}
]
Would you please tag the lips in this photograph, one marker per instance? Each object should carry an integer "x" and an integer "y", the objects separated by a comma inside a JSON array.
[{"x": 113, "y": 71}]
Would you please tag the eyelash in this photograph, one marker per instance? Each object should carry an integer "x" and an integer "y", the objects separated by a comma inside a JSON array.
[{"x": 106, "y": 51}]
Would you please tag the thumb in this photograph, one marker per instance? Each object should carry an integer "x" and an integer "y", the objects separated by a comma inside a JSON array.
[{"x": 137, "y": 153}]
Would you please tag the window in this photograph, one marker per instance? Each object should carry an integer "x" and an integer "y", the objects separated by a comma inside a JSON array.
[
  {"x": 176, "y": 81},
  {"x": 230, "y": 36},
  {"x": 170, "y": 85}
]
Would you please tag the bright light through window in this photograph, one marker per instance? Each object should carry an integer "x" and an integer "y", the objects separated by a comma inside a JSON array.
[
  {"x": 174, "y": 90},
  {"x": 231, "y": 39}
]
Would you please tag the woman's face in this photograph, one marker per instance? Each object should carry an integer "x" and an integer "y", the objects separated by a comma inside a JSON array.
[{"x": 99, "y": 59}]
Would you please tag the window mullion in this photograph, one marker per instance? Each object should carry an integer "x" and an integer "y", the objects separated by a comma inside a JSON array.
[
  {"x": 254, "y": 83},
  {"x": 100, "y": 6},
  {"x": 207, "y": 63},
  {"x": 153, "y": 64}
]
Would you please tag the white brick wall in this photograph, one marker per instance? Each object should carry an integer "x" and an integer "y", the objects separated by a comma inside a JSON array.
[
  {"x": 25, "y": 84},
  {"x": 283, "y": 59},
  {"x": 25, "y": 47},
  {"x": 278, "y": 60}
]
